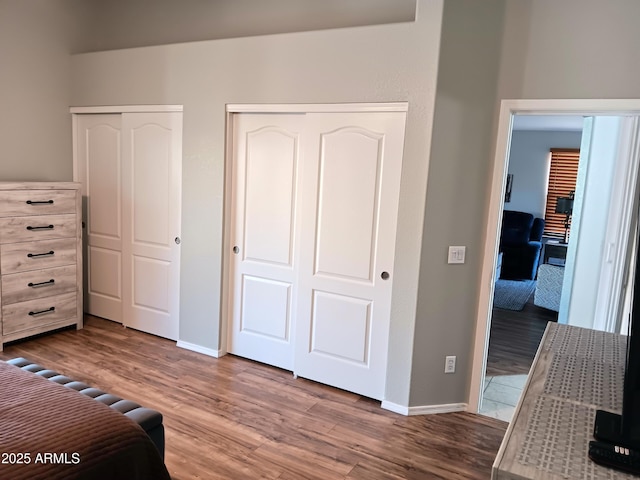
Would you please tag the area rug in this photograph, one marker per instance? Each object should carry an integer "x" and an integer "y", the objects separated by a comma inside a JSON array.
[{"x": 512, "y": 294}]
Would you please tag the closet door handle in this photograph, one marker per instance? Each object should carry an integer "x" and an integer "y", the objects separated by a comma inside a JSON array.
[
  {"x": 45, "y": 227},
  {"x": 41, "y": 284},
  {"x": 38, "y": 202},
  {"x": 32, "y": 255},
  {"x": 42, "y": 312}
]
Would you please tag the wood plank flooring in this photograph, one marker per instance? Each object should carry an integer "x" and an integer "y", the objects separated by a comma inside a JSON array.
[
  {"x": 230, "y": 418},
  {"x": 514, "y": 338}
]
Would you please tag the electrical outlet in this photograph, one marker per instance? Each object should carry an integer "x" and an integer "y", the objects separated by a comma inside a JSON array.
[{"x": 450, "y": 364}]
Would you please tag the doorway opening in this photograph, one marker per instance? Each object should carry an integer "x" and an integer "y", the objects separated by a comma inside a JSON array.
[
  {"x": 613, "y": 258},
  {"x": 542, "y": 166}
]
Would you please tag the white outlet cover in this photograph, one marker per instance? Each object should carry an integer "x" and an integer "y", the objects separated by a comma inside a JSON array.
[{"x": 450, "y": 364}]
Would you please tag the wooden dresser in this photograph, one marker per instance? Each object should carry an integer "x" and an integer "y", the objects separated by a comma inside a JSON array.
[{"x": 40, "y": 258}]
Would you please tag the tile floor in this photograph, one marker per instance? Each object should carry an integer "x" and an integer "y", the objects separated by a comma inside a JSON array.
[{"x": 501, "y": 395}]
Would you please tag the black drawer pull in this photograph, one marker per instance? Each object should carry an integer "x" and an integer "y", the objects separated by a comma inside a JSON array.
[
  {"x": 46, "y": 227},
  {"x": 41, "y": 284},
  {"x": 32, "y": 255},
  {"x": 42, "y": 312},
  {"x": 38, "y": 202}
]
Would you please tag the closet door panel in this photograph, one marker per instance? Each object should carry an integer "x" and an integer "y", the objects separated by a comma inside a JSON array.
[
  {"x": 346, "y": 276},
  {"x": 99, "y": 162},
  {"x": 348, "y": 196},
  {"x": 152, "y": 178},
  {"x": 313, "y": 226},
  {"x": 266, "y": 162}
]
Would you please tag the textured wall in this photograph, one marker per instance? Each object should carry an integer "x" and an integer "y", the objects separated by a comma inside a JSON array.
[
  {"x": 35, "y": 125},
  {"x": 571, "y": 49},
  {"x": 114, "y": 24},
  {"x": 456, "y": 192},
  {"x": 568, "y": 49}
]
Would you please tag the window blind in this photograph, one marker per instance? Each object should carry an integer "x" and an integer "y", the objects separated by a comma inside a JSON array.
[{"x": 562, "y": 180}]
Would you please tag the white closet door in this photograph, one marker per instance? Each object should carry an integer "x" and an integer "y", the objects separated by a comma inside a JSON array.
[
  {"x": 315, "y": 203},
  {"x": 266, "y": 162},
  {"x": 351, "y": 185},
  {"x": 99, "y": 163},
  {"x": 151, "y": 203}
]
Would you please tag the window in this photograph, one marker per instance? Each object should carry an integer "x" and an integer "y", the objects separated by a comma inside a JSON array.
[{"x": 562, "y": 180}]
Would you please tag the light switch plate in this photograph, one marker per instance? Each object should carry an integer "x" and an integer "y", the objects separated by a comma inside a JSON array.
[{"x": 456, "y": 254}]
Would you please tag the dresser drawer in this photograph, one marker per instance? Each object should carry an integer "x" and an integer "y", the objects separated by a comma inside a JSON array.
[
  {"x": 36, "y": 202},
  {"x": 25, "y": 229},
  {"x": 35, "y": 313},
  {"x": 21, "y": 257},
  {"x": 20, "y": 287}
]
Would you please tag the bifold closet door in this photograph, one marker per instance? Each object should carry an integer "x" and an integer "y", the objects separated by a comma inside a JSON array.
[
  {"x": 130, "y": 166},
  {"x": 314, "y": 209}
]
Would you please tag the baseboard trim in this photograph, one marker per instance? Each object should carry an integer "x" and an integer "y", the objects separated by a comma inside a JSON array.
[
  {"x": 198, "y": 348},
  {"x": 425, "y": 409}
]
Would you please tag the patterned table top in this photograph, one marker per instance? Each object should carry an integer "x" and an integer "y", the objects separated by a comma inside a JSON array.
[{"x": 576, "y": 372}]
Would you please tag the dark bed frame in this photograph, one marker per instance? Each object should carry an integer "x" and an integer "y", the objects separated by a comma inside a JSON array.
[{"x": 150, "y": 420}]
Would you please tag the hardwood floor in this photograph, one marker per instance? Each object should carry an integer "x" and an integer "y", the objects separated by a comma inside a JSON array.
[
  {"x": 230, "y": 418},
  {"x": 514, "y": 338}
]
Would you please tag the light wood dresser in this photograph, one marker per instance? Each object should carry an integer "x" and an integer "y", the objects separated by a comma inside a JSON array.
[{"x": 40, "y": 258}]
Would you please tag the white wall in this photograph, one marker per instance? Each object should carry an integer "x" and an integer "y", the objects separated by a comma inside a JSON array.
[
  {"x": 461, "y": 149},
  {"x": 35, "y": 124},
  {"x": 529, "y": 162},
  {"x": 114, "y": 24},
  {"x": 588, "y": 45},
  {"x": 589, "y": 224},
  {"x": 565, "y": 49},
  {"x": 383, "y": 63},
  {"x": 570, "y": 49}
]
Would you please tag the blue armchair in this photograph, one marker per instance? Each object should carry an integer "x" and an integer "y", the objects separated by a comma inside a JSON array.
[{"x": 521, "y": 245}]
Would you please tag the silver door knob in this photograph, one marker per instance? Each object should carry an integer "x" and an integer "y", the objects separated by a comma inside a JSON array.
[
  {"x": 384, "y": 275},
  {"x": 177, "y": 240},
  {"x": 236, "y": 249}
]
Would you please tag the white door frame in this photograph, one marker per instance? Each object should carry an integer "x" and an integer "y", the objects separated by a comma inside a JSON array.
[
  {"x": 508, "y": 109},
  {"x": 234, "y": 109},
  {"x": 621, "y": 227}
]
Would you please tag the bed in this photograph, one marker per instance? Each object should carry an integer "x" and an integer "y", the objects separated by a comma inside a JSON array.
[{"x": 49, "y": 431}]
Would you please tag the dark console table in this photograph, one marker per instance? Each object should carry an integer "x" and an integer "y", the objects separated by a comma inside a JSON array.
[{"x": 555, "y": 251}]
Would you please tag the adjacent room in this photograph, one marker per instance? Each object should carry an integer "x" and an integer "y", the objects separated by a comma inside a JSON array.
[
  {"x": 543, "y": 166},
  {"x": 267, "y": 227}
]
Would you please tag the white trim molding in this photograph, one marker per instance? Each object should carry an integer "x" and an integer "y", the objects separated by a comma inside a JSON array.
[
  {"x": 198, "y": 348},
  {"x": 127, "y": 109},
  {"x": 509, "y": 108},
  {"x": 317, "y": 107},
  {"x": 424, "y": 409}
]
